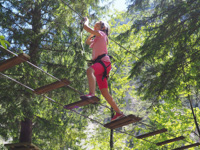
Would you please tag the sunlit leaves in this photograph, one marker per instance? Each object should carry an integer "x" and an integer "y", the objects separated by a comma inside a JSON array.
[
  {"x": 3, "y": 42},
  {"x": 49, "y": 33}
]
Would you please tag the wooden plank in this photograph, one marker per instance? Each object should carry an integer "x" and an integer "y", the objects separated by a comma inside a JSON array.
[
  {"x": 21, "y": 146},
  {"x": 51, "y": 86},
  {"x": 80, "y": 103},
  {"x": 188, "y": 146},
  {"x": 122, "y": 121},
  {"x": 9, "y": 63},
  {"x": 151, "y": 133},
  {"x": 171, "y": 140}
]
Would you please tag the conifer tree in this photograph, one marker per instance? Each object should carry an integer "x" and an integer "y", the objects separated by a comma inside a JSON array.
[
  {"x": 168, "y": 64},
  {"x": 48, "y": 31}
]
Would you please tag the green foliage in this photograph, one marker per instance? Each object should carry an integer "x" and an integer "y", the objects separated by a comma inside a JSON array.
[
  {"x": 168, "y": 55},
  {"x": 49, "y": 33},
  {"x": 156, "y": 53},
  {"x": 3, "y": 41},
  {"x": 162, "y": 72},
  {"x": 169, "y": 48}
]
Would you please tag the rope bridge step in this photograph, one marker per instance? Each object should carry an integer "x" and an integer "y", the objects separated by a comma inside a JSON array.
[
  {"x": 52, "y": 86},
  {"x": 171, "y": 140},
  {"x": 122, "y": 121},
  {"x": 92, "y": 100},
  {"x": 151, "y": 133},
  {"x": 9, "y": 63},
  {"x": 188, "y": 146},
  {"x": 21, "y": 146}
]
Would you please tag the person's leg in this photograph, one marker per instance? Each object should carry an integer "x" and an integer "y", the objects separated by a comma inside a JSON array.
[
  {"x": 109, "y": 99},
  {"x": 103, "y": 86},
  {"x": 91, "y": 80}
]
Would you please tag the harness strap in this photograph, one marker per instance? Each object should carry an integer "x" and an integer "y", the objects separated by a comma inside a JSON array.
[
  {"x": 105, "y": 70},
  {"x": 98, "y": 60}
]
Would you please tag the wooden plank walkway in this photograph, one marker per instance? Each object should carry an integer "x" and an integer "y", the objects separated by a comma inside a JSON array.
[
  {"x": 52, "y": 86},
  {"x": 151, "y": 133},
  {"x": 171, "y": 140},
  {"x": 122, "y": 121},
  {"x": 21, "y": 146},
  {"x": 188, "y": 146},
  {"x": 9, "y": 63},
  {"x": 92, "y": 100}
]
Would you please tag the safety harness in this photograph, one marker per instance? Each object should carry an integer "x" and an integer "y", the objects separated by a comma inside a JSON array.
[{"x": 98, "y": 60}]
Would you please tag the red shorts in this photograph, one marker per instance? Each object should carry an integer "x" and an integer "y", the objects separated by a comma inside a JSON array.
[{"x": 98, "y": 72}]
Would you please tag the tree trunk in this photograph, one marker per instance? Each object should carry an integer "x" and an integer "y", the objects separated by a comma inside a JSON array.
[
  {"x": 36, "y": 38},
  {"x": 111, "y": 134},
  {"x": 111, "y": 140},
  {"x": 26, "y": 131},
  {"x": 26, "y": 124},
  {"x": 111, "y": 131}
]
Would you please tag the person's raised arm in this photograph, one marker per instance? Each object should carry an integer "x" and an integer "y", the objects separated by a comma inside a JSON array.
[{"x": 88, "y": 29}]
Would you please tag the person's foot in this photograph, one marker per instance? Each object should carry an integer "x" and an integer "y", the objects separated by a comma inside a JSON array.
[
  {"x": 83, "y": 97},
  {"x": 117, "y": 116}
]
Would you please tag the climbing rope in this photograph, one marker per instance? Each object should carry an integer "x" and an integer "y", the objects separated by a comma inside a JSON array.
[
  {"x": 51, "y": 100},
  {"x": 80, "y": 93},
  {"x": 93, "y": 120},
  {"x": 109, "y": 37},
  {"x": 60, "y": 81}
]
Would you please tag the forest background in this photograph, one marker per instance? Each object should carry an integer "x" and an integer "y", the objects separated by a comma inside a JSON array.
[{"x": 155, "y": 75}]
